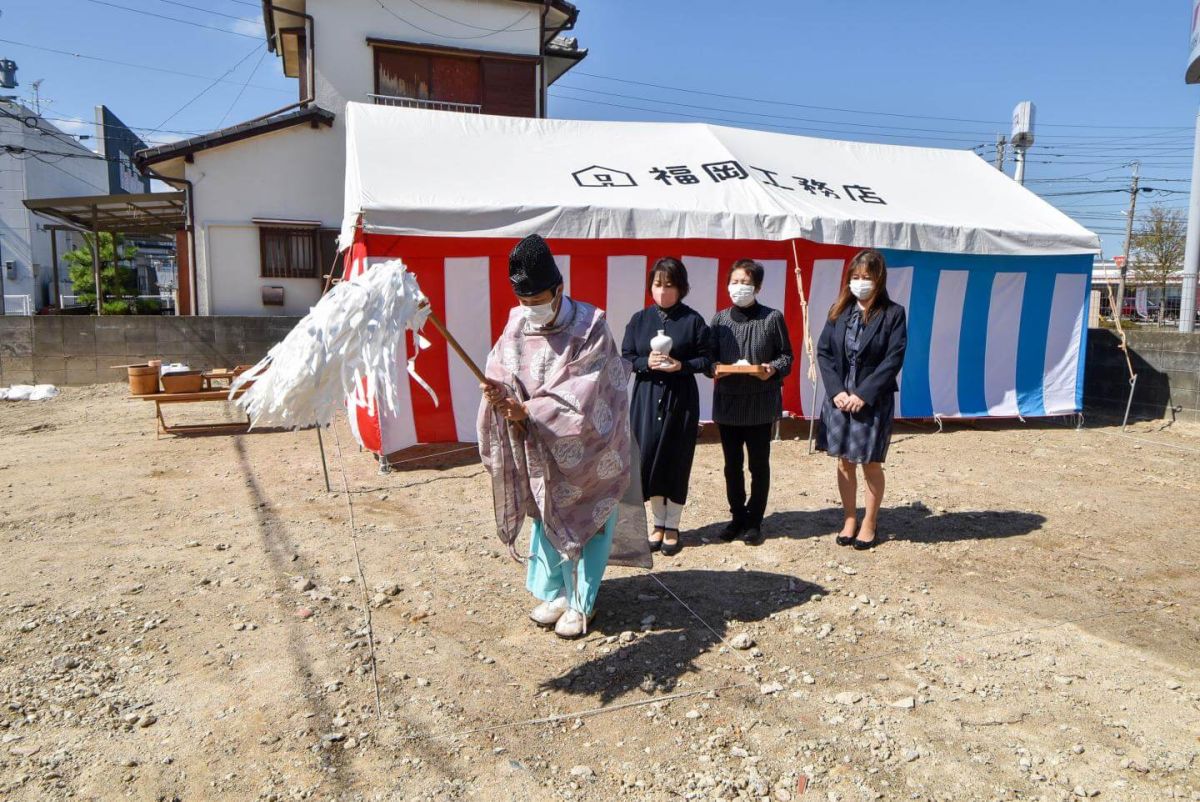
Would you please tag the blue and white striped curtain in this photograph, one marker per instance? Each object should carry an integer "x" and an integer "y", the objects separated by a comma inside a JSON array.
[{"x": 991, "y": 336}]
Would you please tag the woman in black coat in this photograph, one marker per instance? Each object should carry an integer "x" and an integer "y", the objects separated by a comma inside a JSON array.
[
  {"x": 665, "y": 409},
  {"x": 860, "y": 353}
]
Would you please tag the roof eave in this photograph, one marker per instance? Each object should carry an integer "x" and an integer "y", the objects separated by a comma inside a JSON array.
[
  {"x": 567, "y": 59},
  {"x": 313, "y": 115}
]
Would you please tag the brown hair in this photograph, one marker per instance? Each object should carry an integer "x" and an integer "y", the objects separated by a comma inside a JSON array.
[
  {"x": 673, "y": 270},
  {"x": 872, "y": 260},
  {"x": 752, "y": 268}
]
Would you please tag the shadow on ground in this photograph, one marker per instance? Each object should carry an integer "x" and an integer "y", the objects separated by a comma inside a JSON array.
[
  {"x": 655, "y": 661},
  {"x": 915, "y": 523}
]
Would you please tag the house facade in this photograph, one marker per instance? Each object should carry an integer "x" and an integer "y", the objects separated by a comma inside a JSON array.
[{"x": 265, "y": 196}]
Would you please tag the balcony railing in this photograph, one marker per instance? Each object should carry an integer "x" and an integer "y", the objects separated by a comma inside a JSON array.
[
  {"x": 419, "y": 103},
  {"x": 16, "y": 305}
]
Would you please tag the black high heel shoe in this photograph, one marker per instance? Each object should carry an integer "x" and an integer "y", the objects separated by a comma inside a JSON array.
[{"x": 671, "y": 549}]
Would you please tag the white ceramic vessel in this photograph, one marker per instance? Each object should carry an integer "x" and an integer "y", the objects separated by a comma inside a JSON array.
[{"x": 662, "y": 343}]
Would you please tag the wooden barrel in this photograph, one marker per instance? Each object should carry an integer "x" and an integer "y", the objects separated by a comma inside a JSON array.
[{"x": 143, "y": 379}]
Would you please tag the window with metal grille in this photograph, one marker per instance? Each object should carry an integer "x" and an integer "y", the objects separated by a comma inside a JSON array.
[{"x": 289, "y": 252}]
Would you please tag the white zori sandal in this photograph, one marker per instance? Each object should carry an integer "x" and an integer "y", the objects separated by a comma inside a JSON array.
[
  {"x": 548, "y": 613},
  {"x": 573, "y": 624}
]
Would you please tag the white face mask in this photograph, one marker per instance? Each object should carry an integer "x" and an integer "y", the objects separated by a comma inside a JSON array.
[
  {"x": 741, "y": 294},
  {"x": 540, "y": 315},
  {"x": 861, "y": 288}
]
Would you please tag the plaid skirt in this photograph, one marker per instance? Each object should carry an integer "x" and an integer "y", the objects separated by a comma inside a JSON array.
[{"x": 860, "y": 437}]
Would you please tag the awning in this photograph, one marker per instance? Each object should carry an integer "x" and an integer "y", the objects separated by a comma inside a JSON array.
[{"x": 144, "y": 213}]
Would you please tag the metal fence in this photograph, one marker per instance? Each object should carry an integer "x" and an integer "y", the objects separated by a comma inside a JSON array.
[
  {"x": 17, "y": 305},
  {"x": 1145, "y": 310},
  {"x": 166, "y": 300}
]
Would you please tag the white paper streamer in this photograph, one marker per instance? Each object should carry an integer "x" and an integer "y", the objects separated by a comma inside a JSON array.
[{"x": 352, "y": 334}]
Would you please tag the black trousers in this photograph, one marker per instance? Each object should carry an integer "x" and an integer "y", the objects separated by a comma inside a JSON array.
[{"x": 756, "y": 441}]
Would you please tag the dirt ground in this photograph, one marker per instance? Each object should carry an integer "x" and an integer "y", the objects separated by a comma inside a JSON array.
[{"x": 183, "y": 618}]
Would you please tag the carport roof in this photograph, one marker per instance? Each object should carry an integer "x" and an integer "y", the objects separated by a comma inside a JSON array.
[{"x": 143, "y": 213}]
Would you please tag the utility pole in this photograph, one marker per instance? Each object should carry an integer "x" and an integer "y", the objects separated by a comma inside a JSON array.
[
  {"x": 1191, "y": 257},
  {"x": 1001, "y": 142},
  {"x": 1133, "y": 193},
  {"x": 1022, "y": 135},
  {"x": 1020, "y": 158}
]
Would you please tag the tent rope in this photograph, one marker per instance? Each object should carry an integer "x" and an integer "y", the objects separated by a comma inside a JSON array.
[
  {"x": 808, "y": 348},
  {"x": 362, "y": 578}
]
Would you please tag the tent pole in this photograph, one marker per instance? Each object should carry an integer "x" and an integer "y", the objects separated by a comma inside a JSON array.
[
  {"x": 54, "y": 267},
  {"x": 324, "y": 465},
  {"x": 96, "y": 264}
]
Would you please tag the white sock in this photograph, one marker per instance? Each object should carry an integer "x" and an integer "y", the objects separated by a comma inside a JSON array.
[
  {"x": 658, "y": 506},
  {"x": 673, "y": 513}
]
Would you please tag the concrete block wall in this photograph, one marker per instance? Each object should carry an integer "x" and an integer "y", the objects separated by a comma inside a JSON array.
[
  {"x": 77, "y": 349},
  {"x": 1168, "y": 367}
]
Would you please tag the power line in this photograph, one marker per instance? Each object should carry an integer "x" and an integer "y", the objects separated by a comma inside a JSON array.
[
  {"x": 34, "y": 117},
  {"x": 134, "y": 128},
  {"x": 469, "y": 25},
  {"x": 150, "y": 67},
  {"x": 709, "y": 118},
  {"x": 490, "y": 32},
  {"x": 72, "y": 175},
  {"x": 965, "y": 134},
  {"x": 210, "y": 11},
  {"x": 205, "y": 90},
  {"x": 257, "y": 64},
  {"x": 862, "y": 111},
  {"x": 18, "y": 151},
  {"x": 54, "y": 134},
  {"x": 173, "y": 19}
]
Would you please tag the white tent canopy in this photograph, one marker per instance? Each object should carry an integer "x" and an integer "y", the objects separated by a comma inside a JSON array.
[{"x": 417, "y": 172}]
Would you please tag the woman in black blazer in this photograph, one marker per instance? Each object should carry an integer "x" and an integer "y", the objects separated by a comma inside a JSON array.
[{"x": 860, "y": 353}]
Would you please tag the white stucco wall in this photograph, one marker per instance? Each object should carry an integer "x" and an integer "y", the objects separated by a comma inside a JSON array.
[
  {"x": 299, "y": 173},
  {"x": 294, "y": 174}
]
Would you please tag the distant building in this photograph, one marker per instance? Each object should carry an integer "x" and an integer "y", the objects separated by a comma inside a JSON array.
[
  {"x": 1142, "y": 299},
  {"x": 267, "y": 193},
  {"x": 38, "y": 160}
]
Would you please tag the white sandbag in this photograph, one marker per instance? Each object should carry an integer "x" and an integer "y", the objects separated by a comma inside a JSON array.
[
  {"x": 348, "y": 338},
  {"x": 43, "y": 392}
]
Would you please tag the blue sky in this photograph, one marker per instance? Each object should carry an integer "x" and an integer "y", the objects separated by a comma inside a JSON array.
[{"x": 1106, "y": 75}]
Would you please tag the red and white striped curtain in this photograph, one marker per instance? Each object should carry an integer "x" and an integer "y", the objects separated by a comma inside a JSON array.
[{"x": 467, "y": 283}]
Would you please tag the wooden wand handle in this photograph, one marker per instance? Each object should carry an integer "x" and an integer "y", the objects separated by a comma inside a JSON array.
[{"x": 458, "y": 349}]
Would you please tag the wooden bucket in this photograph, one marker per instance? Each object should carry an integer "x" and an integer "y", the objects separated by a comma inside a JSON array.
[{"x": 143, "y": 379}]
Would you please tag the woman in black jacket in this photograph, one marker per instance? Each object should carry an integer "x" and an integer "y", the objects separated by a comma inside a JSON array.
[
  {"x": 746, "y": 406},
  {"x": 668, "y": 344},
  {"x": 860, "y": 353}
]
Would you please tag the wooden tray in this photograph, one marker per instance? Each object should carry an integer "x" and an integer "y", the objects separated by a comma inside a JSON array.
[{"x": 735, "y": 370}]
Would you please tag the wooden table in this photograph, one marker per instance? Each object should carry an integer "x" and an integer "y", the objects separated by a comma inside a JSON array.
[{"x": 188, "y": 398}]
